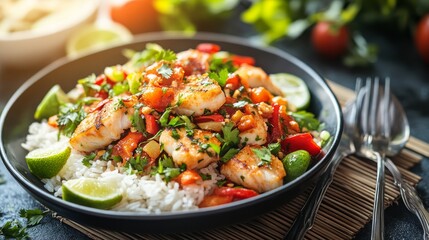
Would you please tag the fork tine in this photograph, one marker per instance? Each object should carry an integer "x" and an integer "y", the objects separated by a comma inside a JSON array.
[{"x": 373, "y": 92}]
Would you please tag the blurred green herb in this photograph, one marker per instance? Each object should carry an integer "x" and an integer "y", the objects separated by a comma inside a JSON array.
[
  {"x": 276, "y": 19},
  {"x": 2, "y": 180}
]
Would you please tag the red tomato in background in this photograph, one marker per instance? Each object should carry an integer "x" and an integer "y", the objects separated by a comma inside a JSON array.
[
  {"x": 330, "y": 42},
  {"x": 422, "y": 38},
  {"x": 137, "y": 15}
]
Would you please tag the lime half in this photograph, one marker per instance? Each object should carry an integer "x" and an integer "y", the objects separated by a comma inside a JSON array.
[
  {"x": 50, "y": 103},
  {"x": 92, "y": 38},
  {"x": 294, "y": 89},
  {"x": 47, "y": 162},
  {"x": 91, "y": 192}
]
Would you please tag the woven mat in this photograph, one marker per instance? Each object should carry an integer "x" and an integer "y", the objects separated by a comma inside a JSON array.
[{"x": 346, "y": 208}]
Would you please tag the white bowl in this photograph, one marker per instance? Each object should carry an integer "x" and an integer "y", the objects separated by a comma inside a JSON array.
[{"x": 39, "y": 47}]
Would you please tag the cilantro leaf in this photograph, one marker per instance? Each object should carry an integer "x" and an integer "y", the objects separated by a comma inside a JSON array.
[
  {"x": 264, "y": 154},
  {"x": 69, "y": 117},
  {"x": 165, "y": 70},
  {"x": 230, "y": 134},
  {"x": 220, "y": 76},
  {"x": 86, "y": 160},
  {"x": 33, "y": 216},
  {"x": 14, "y": 229},
  {"x": 306, "y": 120}
]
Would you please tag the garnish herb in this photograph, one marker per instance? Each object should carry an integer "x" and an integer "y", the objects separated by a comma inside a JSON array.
[
  {"x": 274, "y": 148},
  {"x": 86, "y": 160},
  {"x": 167, "y": 169},
  {"x": 69, "y": 117},
  {"x": 229, "y": 142},
  {"x": 136, "y": 164},
  {"x": 137, "y": 121},
  {"x": 33, "y": 216},
  {"x": 163, "y": 120},
  {"x": 175, "y": 134},
  {"x": 14, "y": 229},
  {"x": 306, "y": 120},
  {"x": 152, "y": 53},
  {"x": 264, "y": 154},
  {"x": 165, "y": 71},
  {"x": 220, "y": 76}
]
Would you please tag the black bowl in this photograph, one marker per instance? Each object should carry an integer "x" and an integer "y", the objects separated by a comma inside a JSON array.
[{"x": 18, "y": 115}]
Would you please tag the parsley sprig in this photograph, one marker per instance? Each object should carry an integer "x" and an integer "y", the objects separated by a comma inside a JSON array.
[
  {"x": 306, "y": 120},
  {"x": 152, "y": 53},
  {"x": 16, "y": 230}
]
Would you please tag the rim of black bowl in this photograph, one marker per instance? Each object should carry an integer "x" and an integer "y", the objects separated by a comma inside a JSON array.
[{"x": 159, "y": 36}]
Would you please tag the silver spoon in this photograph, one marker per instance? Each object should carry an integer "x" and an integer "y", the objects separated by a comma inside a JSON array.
[{"x": 399, "y": 135}]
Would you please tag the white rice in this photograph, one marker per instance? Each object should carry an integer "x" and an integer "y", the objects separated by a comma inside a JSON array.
[{"x": 150, "y": 194}]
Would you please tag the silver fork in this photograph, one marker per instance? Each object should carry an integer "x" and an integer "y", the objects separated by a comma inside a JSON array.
[{"x": 372, "y": 141}]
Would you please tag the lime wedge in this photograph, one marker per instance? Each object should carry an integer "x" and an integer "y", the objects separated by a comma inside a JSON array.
[
  {"x": 92, "y": 38},
  {"x": 47, "y": 162},
  {"x": 50, "y": 103},
  {"x": 294, "y": 90},
  {"x": 91, "y": 192}
]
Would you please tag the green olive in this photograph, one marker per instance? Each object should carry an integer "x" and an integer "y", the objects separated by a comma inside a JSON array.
[{"x": 295, "y": 164}]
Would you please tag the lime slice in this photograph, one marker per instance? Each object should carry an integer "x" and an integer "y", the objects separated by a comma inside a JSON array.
[
  {"x": 47, "y": 162},
  {"x": 92, "y": 38},
  {"x": 50, "y": 104},
  {"x": 294, "y": 90},
  {"x": 91, "y": 192}
]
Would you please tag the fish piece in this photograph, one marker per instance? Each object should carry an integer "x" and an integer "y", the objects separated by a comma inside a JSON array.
[
  {"x": 258, "y": 134},
  {"x": 256, "y": 77},
  {"x": 243, "y": 169},
  {"x": 194, "y": 151},
  {"x": 198, "y": 95},
  {"x": 101, "y": 126}
]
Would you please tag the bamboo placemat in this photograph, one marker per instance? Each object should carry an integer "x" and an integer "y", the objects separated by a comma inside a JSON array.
[{"x": 346, "y": 208}]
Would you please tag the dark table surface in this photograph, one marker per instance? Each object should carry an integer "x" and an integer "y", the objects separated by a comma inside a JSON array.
[{"x": 397, "y": 59}]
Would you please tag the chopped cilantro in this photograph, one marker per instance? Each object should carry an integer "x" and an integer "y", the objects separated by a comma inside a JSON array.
[
  {"x": 220, "y": 183},
  {"x": 69, "y": 117},
  {"x": 205, "y": 176},
  {"x": 163, "y": 120},
  {"x": 229, "y": 141},
  {"x": 136, "y": 164},
  {"x": 167, "y": 168},
  {"x": 220, "y": 76},
  {"x": 215, "y": 148},
  {"x": 165, "y": 70},
  {"x": 217, "y": 64},
  {"x": 152, "y": 53},
  {"x": 274, "y": 148},
  {"x": 229, "y": 154},
  {"x": 33, "y": 216},
  {"x": 175, "y": 134},
  {"x": 306, "y": 120},
  {"x": 14, "y": 229},
  {"x": 137, "y": 121},
  {"x": 86, "y": 160},
  {"x": 264, "y": 154}
]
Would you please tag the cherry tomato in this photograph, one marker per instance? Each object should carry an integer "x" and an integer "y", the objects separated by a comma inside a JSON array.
[
  {"x": 422, "y": 38},
  {"x": 328, "y": 41},
  {"x": 208, "y": 47},
  {"x": 137, "y": 15}
]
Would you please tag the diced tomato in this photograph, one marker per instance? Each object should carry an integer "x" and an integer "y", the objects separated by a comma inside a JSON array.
[
  {"x": 152, "y": 126},
  {"x": 260, "y": 94},
  {"x": 102, "y": 79},
  {"x": 277, "y": 130},
  {"x": 233, "y": 82},
  {"x": 240, "y": 60},
  {"x": 238, "y": 193},
  {"x": 101, "y": 94},
  {"x": 208, "y": 48},
  {"x": 215, "y": 200},
  {"x": 127, "y": 145},
  {"x": 300, "y": 141},
  {"x": 157, "y": 98},
  {"x": 53, "y": 121},
  {"x": 188, "y": 177},
  {"x": 209, "y": 118}
]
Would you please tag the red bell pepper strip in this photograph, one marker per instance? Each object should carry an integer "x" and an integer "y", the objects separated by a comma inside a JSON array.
[
  {"x": 209, "y": 118},
  {"x": 277, "y": 130},
  {"x": 152, "y": 126},
  {"x": 215, "y": 200},
  {"x": 127, "y": 145},
  {"x": 208, "y": 48},
  {"x": 240, "y": 60},
  {"x": 237, "y": 193},
  {"x": 300, "y": 141}
]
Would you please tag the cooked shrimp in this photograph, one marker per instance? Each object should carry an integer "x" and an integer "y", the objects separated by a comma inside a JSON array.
[
  {"x": 194, "y": 151},
  {"x": 193, "y": 61},
  {"x": 101, "y": 127},
  {"x": 243, "y": 169},
  {"x": 256, "y": 77},
  {"x": 257, "y": 135},
  {"x": 198, "y": 95}
]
